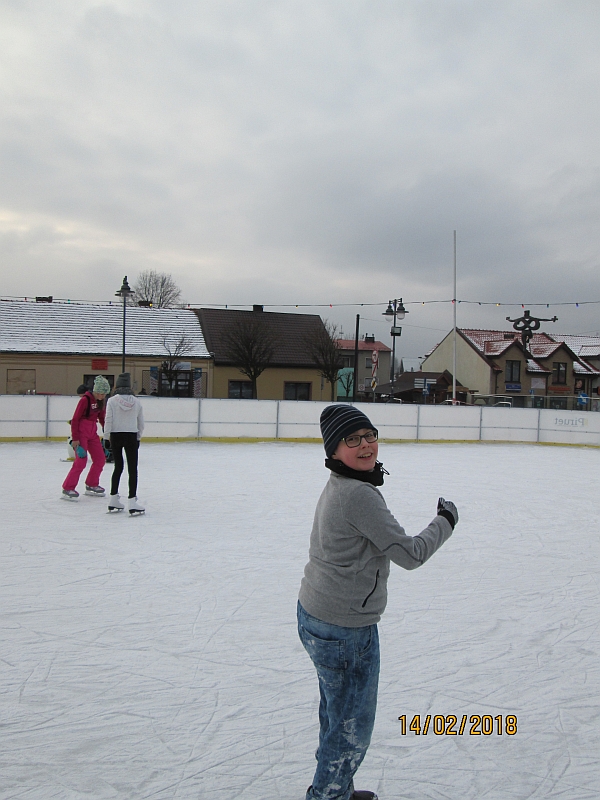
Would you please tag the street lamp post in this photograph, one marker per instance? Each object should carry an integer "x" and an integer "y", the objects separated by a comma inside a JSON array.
[
  {"x": 395, "y": 311},
  {"x": 125, "y": 291}
]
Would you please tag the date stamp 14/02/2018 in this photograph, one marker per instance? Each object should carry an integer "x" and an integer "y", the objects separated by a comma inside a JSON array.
[{"x": 451, "y": 725}]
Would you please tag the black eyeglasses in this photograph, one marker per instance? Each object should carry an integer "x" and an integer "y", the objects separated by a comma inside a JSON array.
[{"x": 355, "y": 439}]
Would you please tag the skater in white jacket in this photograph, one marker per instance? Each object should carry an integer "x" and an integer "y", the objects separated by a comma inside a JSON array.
[{"x": 124, "y": 425}]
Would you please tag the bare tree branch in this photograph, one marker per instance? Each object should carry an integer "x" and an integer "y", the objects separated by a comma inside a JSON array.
[
  {"x": 325, "y": 351},
  {"x": 157, "y": 288},
  {"x": 347, "y": 381},
  {"x": 250, "y": 343},
  {"x": 175, "y": 349}
]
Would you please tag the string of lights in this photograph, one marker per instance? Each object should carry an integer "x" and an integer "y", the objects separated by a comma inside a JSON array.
[{"x": 33, "y": 299}]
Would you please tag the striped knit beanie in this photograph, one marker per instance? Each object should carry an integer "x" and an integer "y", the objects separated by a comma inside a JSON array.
[{"x": 340, "y": 421}]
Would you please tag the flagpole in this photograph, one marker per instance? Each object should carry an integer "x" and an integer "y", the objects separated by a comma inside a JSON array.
[{"x": 454, "y": 342}]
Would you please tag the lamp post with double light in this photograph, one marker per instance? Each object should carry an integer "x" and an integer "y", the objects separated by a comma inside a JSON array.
[
  {"x": 125, "y": 291},
  {"x": 395, "y": 311}
]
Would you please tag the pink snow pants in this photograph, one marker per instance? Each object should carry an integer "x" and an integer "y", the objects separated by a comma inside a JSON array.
[{"x": 88, "y": 439}]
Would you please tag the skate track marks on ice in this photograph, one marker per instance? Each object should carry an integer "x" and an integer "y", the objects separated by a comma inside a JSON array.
[{"x": 157, "y": 657}]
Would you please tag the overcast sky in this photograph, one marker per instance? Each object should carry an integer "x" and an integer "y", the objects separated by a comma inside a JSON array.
[{"x": 306, "y": 152}]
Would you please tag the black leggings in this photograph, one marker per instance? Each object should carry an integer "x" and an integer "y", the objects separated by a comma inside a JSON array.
[{"x": 130, "y": 442}]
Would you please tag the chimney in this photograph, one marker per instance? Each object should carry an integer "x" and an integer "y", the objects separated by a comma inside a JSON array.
[{"x": 258, "y": 309}]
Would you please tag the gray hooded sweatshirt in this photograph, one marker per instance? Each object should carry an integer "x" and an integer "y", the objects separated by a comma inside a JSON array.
[
  {"x": 354, "y": 538},
  {"x": 124, "y": 414}
]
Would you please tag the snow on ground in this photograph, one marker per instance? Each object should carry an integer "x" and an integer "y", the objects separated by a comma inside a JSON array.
[{"x": 157, "y": 657}]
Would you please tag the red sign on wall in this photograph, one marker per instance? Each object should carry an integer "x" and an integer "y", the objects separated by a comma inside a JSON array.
[{"x": 100, "y": 364}]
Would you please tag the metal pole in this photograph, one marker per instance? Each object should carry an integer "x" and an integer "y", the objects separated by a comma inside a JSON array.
[
  {"x": 392, "y": 370},
  {"x": 355, "y": 376},
  {"x": 124, "y": 305},
  {"x": 454, "y": 343}
]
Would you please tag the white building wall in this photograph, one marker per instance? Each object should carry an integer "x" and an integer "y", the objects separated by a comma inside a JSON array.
[{"x": 471, "y": 369}]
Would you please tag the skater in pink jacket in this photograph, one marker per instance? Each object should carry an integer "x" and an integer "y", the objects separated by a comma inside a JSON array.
[{"x": 84, "y": 433}]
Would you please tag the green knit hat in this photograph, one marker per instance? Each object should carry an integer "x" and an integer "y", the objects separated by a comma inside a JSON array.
[{"x": 101, "y": 385}]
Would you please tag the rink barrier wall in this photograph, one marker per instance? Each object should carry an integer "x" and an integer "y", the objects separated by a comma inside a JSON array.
[{"x": 29, "y": 417}]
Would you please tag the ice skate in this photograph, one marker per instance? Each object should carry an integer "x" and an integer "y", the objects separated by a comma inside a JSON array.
[
  {"x": 114, "y": 503},
  {"x": 70, "y": 494},
  {"x": 359, "y": 795},
  {"x": 94, "y": 491},
  {"x": 135, "y": 507}
]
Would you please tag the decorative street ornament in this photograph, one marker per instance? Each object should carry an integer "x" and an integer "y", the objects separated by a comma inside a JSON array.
[
  {"x": 526, "y": 325},
  {"x": 374, "y": 364}
]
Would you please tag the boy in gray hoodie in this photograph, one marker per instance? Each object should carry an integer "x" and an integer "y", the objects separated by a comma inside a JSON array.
[{"x": 344, "y": 593}]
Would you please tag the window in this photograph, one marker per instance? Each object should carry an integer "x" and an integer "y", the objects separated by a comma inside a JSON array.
[
  {"x": 558, "y": 403},
  {"x": 513, "y": 372},
  {"x": 347, "y": 361},
  {"x": 240, "y": 390},
  {"x": 175, "y": 383},
  {"x": 559, "y": 372},
  {"x": 368, "y": 362},
  {"x": 296, "y": 391},
  {"x": 20, "y": 381}
]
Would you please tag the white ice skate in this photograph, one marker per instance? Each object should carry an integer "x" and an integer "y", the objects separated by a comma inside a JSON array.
[
  {"x": 114, "y": 503},
  {"x": 135, "y": 507}
]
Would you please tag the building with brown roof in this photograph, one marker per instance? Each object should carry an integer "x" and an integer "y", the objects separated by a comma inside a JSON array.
[
  {"x": 494, "y": 362},
  {"x": 291, "y": 373},
  {"x": 423, "y": 388}
]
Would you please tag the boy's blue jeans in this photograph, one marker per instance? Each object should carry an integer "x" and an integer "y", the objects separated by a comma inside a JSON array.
[{"x": 347, "y": 664}]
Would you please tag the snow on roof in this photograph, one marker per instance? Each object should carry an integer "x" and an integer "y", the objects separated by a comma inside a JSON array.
[
  {"x": 494, "y": 343},
  {"x": 581, "y": 368},
  {"x": 589, "y": 351},
  {"x": 583, "y": 346},
  {"x": 480, "y": 337},
  {"x": 27, "y": 327},
  {"x": 541, "y": 349},
  {"x": 533, "y": 366}
]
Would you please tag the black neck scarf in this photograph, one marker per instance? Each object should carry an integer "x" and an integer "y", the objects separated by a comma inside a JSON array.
[{"x": 375, "y": 476}]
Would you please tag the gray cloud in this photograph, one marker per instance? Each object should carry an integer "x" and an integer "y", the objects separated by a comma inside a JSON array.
[{"x": 297, "y": 152}]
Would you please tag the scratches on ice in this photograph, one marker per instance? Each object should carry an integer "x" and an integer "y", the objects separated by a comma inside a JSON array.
[{"x": 159, "y": 659}]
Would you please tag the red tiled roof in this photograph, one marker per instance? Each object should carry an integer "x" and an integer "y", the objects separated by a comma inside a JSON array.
[
  {"x": 348, "y": 344},
  {"x": 533, "y": 366},
  {"x": 494, "y": 343}
]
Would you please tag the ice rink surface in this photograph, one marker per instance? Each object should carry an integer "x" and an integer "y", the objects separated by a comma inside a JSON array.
[{"x": 157, "y": 657}]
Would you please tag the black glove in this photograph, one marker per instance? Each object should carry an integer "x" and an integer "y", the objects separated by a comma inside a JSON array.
[
  {"x": 106, "y": 446},
  {"x": 447, "y": 509}
]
